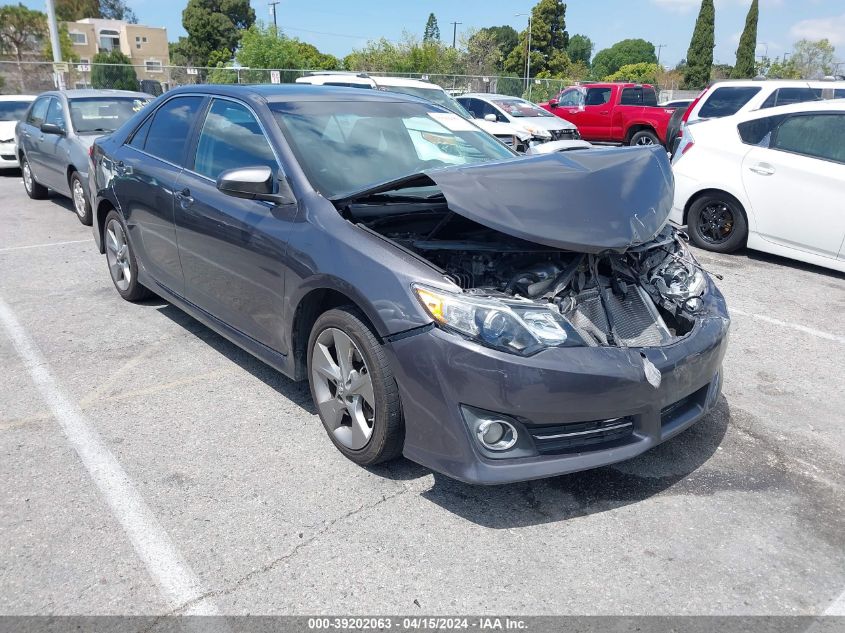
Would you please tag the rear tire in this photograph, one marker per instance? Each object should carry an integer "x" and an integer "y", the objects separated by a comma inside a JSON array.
[
  {"x": 716, "y": 222},
  {"x": 355, "y": 393},
  {"x": 80, "y": 199},
  {"x": 644, "y": 138},
  {"x": 123, "y": 267},
  {"x": 33, "y": 189}
]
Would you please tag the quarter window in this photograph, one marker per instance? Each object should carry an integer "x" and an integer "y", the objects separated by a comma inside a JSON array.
[
  {"x": 231, "y": 137},
  {"x": 727, "y": 101},
  {"x": 759, "y": 131},
  {"x": 55, "y": 114},
  {"x": 38, "y": 112},
  {"x": 785, "y": 96},
  {"x": 169, "y": 130},
  {"x": 140, "y": 136},
  {"x": 816, "y": 135}
]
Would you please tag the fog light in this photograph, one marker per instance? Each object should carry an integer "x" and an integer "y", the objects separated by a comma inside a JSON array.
[{"x": 496, "y": 435}]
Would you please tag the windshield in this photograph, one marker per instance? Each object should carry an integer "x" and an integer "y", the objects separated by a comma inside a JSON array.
[
  {"x": 102, "y": 115},
  {"x": 519, "y": 108},
  {"x": 435, "y": 95},
  {"x": 347, "y": 147},
  {"x": 13, "y": 110}
]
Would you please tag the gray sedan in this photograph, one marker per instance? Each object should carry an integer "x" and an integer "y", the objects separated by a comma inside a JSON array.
[{"x": 54, "y": 138}]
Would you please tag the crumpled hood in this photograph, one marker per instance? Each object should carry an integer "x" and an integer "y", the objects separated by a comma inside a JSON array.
[{"x": 588, "y": 201}]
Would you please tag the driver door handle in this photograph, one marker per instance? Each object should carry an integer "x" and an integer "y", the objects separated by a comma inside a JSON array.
[
  {"x": 764, "y": 169},
  {"x": 184, "y": 198}
]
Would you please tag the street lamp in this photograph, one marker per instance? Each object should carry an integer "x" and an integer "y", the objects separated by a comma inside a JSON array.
[{"x": 527, "y": 50}]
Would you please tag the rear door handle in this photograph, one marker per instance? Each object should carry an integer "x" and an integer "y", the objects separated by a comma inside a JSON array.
[
  {"x": 764, "y": 169},
  {"x": 604, "y": 112},
  {"x": 184, "y": 197}
]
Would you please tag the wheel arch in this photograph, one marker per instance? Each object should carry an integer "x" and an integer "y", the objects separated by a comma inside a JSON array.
[
  {"x": 103, "y": 207},
  {"x": 711, "y": 191},
  {"x": 639, "y": 127}
]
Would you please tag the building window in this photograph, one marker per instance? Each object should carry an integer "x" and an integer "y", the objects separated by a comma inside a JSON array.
[
  {"x": 137, "y": 39},
  {"x": 78, "y": 38},
  {"x": 144, "y": 40},
  {"x": 109, "y": 41},
  {"x": 152, "y": 66},
  {"x": 137, "y": 46}
]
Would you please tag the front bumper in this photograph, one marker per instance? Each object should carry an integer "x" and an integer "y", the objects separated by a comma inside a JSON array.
[
  {"x": 8, "y": 155},
  {"x": 437, "y": 372}
]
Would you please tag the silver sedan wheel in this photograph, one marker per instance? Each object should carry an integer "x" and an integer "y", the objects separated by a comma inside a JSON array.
[
  {"x": 78, "y": 198},
  {"x": 343, "y": 388},
  {"x": 117, "y": 254},
  {"x": 27, "y": 176}
]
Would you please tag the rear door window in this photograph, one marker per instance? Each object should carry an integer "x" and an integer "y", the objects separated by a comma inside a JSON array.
[
  {"x": 726, "y": 101},
  {"x": 815, "y": 135},
  {"x": 55, "y": 114},
  {"x": 167, "y": 137},
  {"x": 597, "y": 96},
  {"x": 785, "y": 96}
]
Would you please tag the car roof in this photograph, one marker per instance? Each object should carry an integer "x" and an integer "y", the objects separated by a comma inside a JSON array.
[
  {"x": 17, "y": 97},
  {"x": 404, "y": 81},
  {"x": 279, "y": 93},
  {"x": 776, "y": 83},
  {"x": 83, "y": 93},
  {"x": 489, "y": 95},
  {"x": 828, "y": 105}
]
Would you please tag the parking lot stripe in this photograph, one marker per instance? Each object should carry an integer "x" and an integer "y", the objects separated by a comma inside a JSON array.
[
  {"x": 175, "y": 578},
  {"x": 794, "y": 326},
  {"x": 23, "y": 248}
]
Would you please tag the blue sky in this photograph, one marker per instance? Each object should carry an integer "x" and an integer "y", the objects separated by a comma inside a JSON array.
[{"x": 336, "y": 26}]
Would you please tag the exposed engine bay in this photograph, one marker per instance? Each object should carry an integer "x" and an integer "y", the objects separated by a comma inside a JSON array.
[{"x": 648, "y": 295}]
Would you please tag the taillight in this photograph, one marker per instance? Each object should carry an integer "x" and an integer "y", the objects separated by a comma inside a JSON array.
[
  {"x": 693, "y": 104},
  {"x": 684, "y": 145}
]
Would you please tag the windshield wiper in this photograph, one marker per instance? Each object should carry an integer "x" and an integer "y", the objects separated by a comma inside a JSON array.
[
  {"x": 398, "y": 198},
  {"x": 96, "y": 129}
]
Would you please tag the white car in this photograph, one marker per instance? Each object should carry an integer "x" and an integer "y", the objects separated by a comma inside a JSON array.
[
  {"x": 542, "y": 125},
  {"x": 514, "y": 137},
  {"x": 726, "y": 98},
  {"x": 12, "y": 109},
  {"x": 772, "y": 179}
]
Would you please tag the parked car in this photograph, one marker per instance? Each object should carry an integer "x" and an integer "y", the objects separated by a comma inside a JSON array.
[
  {"x": 772, "y": 179},
  {"x": 54, "y": 138},
  {"x": 542, "y": 126},
  {"x": 514, "y": 137},
  {"x": 12, "y": 109},
  {"x": 726, "y": 98},
  {"x": 499, "y": 320},
  {"x": 613, "y": 112},
  {"x": 676, "y": 103}
]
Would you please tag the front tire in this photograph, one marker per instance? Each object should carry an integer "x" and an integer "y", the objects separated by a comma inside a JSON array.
[
  {"x": 33, "y": 189},
  {"x": 80, "y": 200},
  {"x": 123, "y": 267},
  {"x": 353, "y": 388},
  {"x": 716, "y": 222},
  {"x": 644, "y": 138}
]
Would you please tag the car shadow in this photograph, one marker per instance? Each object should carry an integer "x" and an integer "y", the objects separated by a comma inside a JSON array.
[
  {"x": 521, "y": 504},
  {"x": 592, "y": 491},
  {"x": 296, "y": 392},
  {"x": 760, "y": 256}
]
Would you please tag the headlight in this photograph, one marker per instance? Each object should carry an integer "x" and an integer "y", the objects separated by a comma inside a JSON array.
[
  {"x": 511, "y": 327},
  {"x": 538, "y": 132}
]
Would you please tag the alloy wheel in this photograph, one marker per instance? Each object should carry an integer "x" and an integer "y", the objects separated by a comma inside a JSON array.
[
  {"x": 117, "y": 254},
  {"x": 716, "y": 223},
  {"x": 645, "y": 140},
  {"x": 27, "y": 176},
  {"x": 343, "y": 388},
  {"x": 78, "y": 198}
]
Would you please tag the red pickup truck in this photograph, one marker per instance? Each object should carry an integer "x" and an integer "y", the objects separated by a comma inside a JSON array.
[{"x": 613, "y": 112}]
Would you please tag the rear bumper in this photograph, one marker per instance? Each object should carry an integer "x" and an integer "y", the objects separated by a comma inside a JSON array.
[{"x": 437, "y": 372}]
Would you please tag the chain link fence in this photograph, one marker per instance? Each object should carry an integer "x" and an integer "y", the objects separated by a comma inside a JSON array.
[{"x": 30, "y": 77}]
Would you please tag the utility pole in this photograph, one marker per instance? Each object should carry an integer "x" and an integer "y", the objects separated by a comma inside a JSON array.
[
  {"x": 454, "y": 32},
  {"x": 527, "y": 51},
  {"x": 54, "y": 42},
  {"x": 273, "y": 11},
  {"x": 659, "y": 48}
]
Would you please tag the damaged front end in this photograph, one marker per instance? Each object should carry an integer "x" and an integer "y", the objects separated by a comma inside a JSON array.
[{"x": 547, "y": 252}]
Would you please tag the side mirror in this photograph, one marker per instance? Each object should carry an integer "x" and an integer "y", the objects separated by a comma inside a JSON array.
[
  {"x": 255, "y": 183},
  {"x": 553, "y": 103},
  {"x": 52, "y": 128},
  {"x": 490, "y": 117}
]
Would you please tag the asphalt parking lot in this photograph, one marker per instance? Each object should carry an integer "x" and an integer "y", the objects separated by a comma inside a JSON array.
[{"x": 182, "y": 475}]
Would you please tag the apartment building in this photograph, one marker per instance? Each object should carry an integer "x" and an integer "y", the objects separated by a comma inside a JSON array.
[{"x": 146, "y": 46}]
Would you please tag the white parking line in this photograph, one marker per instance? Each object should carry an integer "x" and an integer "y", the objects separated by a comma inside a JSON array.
[
  {"x": 175, "y": 578},
  {"x": 795, "y": 326},
  {"x": 837, "y": 607},
  {"x": 23, "y": 248}
]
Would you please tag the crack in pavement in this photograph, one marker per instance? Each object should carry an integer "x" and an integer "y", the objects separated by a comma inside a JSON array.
[{"x": 286, "y": 557}]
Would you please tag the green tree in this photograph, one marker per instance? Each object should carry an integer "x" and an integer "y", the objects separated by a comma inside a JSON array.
[
  {"x": 213, "y": 25},
  {"x": 65, "y": 44},
  {"x": 632, "y": 51},
  {"x": 113, "y": 70},
  {"x": 21, "y": 30},
  {"x": 506, "y": 38},
  {"x": 263, "y": 47},
  {"x": 745, "y": 67},
  {"x": 642, "y": 73},
  {"x": 700, "y": 53},
  {"x": 432, "y": 30},
  {"x": 580, "y": 49},
  {"x": 74, "y": 10},
  {"x": 812, "y": 59},
  {"x": 117, "y": 10},
  {"x": 549, "y": 41},
  {"x": 409, "y": 55},
  {"x": 483, "y": 55}
]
